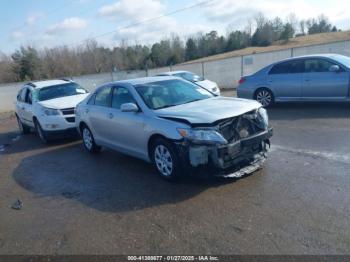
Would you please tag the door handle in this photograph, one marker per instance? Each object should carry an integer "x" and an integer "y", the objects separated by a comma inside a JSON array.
[
  {"x": 110, "y": 115},
  {"x": 307, "y": 80},
  {"x": 23, "y": 108},
  {"x": 86, "y": 111}
]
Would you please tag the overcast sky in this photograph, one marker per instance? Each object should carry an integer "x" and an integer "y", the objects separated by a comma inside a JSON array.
[{"x": 69, "y": 22}]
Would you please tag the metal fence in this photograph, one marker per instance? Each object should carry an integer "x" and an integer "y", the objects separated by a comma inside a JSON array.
[{"x": 226, "y": 72}]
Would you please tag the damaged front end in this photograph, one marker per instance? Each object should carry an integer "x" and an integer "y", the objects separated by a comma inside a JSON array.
[{"x": 230, "y": 147}]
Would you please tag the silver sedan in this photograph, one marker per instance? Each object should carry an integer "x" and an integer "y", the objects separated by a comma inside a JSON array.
[
  {"x": 306, "y": 78},
  {"x": 176, "y": 125}
]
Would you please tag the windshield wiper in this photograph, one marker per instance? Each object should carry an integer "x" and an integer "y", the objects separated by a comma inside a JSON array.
[{"x": 166, "y": 106}]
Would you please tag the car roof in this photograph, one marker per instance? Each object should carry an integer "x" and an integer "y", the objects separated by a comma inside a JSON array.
[
  {"x": 172, "y": 72},
  {"x": 46, "y": 83},
  {"x": 310, "y": 56},
  {"x": 145, "y": 80}
]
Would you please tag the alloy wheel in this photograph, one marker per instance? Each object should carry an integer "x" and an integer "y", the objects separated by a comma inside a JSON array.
[
  {"x": 163, "y": 160},
  {"x": 87, "y": 138},
  {"x": 264, "y": 97}
]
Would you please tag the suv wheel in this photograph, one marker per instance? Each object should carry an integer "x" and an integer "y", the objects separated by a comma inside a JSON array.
[
  {"x": 22, "y": 128},
  {"x": 265, "y": 97},
  {"x": 89, "y": 141},
  {"x": 165, "y": 159},
  {"x": 41, "y": 133}
]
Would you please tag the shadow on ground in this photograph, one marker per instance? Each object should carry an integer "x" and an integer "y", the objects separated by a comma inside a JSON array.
[{"x": 109, "y": 181}]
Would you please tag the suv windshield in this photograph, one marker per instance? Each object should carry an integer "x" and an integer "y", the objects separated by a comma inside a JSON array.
[
  {"x": 169, "y": 93},
  {"x": 56, "y": 91},
  {"x": 190, "y": 77}
]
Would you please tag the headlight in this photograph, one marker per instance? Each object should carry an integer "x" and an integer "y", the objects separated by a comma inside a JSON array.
[
  {"x": 202, "y": 136},
  {"x": 50, "y": 111},
  {"x": 263, "y": 115}
]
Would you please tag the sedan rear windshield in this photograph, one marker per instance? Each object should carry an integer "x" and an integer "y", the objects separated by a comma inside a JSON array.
[
  {"x": 169, "y": 93},
  {"x": 57, "y": 91},
  {"x": 190, "y": 77}
]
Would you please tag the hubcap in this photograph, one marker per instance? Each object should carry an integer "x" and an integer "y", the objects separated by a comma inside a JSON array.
[
  {"x": 87, "y": 138},
  {"x": 163, "y": 160},
  {"x": 264, "y": 97}
]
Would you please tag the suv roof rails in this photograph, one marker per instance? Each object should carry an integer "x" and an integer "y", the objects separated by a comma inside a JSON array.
[
  {"x": 67, "y": 79},
  {"x": 31, "y": 84}
]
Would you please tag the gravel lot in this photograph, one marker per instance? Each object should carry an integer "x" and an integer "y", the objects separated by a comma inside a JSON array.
[{"x": 77, "y": 203}]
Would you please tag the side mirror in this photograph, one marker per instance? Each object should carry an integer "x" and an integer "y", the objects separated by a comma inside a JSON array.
[
  {"x": 129, "y": 107},
  {"x": 334, "y": 68}
]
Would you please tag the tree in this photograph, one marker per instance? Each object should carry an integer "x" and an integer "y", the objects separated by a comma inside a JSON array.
[
  {"x": 191, "y": 51},
  {"x": 27, "y": 64},
  {"x": 319, "y": 25},
  {"x": 288, "y": 32}
]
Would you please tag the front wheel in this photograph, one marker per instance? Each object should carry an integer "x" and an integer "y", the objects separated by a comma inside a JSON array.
[
  {"x": 265, "y": 97},
  {"x": 89, "y": 141},
  {"x": 41, "y": 133},
  {"x": 165, "y": 159}
]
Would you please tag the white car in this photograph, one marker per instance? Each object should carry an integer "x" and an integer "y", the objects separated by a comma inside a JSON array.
[
  {"x": 196, "y": 79},
  {"x": 49, "y": 107}
]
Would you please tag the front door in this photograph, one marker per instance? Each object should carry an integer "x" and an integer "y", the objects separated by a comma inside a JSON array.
[
  {"x": 319, "y": 83},
  {"x": 126, "y": 129}
]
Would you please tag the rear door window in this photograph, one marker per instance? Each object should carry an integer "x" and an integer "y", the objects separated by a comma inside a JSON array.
[
  {"x": 103, "y": 97},
  {"x": 289, "y": 67}
]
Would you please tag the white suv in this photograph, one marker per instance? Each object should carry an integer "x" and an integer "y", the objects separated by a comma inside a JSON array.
[{"x": 49, "y": 107}]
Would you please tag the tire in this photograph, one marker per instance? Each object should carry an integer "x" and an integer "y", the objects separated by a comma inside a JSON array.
[
  {"x": 41, "y": 133},
  {"x": 165, "y": 159},
  {"x": 89, "y": 141},
  {"x": 22, "y": 128},
  {"x": 265, "y": 97}
]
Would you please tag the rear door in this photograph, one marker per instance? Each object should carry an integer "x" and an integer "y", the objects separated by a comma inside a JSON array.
[
  {"x": 285, "y": 80},
  {"x": 97, "y": 112},
  {"x": 319, "y": 83},
  {"x": 20, "y": 104},
  {"x": 25, "y": 106}
]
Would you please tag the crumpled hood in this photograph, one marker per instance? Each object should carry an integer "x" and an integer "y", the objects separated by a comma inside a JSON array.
[
  {"x": 210, "y": 110},
  {"x": 63, "y": 102}
]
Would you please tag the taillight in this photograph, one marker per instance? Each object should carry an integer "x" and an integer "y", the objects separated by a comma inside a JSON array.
[{"x": 241, "y": 81}]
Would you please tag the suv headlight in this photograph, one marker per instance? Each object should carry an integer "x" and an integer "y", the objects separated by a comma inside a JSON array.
[
  {"x": 263, "y": 116},
  {"x": 202, "y": 136},
  {"x": 50, "y": 111}
]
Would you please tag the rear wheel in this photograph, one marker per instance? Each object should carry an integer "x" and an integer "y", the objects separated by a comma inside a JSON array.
[
  {"x": 41, "y": 133},
  {"x": 265, "y": 97},
  {"x": 22, "y": 128},
  {"x": 89, "y": 141},
  {"x": 165, "y": 159}
]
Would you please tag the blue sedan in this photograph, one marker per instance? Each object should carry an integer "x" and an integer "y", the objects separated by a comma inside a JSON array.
[{"x": 306, "y": 78}]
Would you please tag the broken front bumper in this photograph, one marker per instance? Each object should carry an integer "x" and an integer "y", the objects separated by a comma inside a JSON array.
[{"x": 231, "y": 160}]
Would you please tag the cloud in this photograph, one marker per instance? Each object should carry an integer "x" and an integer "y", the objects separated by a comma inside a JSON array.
[
  {"x": 238, "y": 12},
  {"x": 132, "y": 9},
  {"x": 17, "y": 35},
  {"x": 32, "y": 19},
  {"x": 68, "y": 24}
]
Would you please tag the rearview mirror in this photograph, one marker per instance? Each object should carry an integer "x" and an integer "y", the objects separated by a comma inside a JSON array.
[
  {"x": 129, "y": 107},
  {"x": 334, "y": 68}
]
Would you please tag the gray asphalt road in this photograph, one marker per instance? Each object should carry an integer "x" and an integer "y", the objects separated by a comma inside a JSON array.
[{"x": 74, "y": 202}]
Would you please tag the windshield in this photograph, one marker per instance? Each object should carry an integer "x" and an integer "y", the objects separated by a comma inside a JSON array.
[
  {"x": 56, "y": 91},
  {"x": 169, "y": 93},
  {"x": 345, "y": 60},
  {"x": 190, "y": 76}
]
